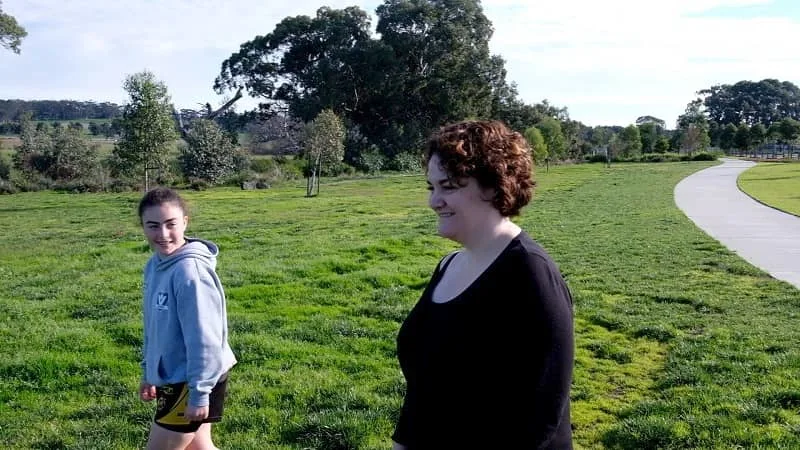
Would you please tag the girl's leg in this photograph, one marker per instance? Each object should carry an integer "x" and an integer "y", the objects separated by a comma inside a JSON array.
[
  {"x": 164, "y": 439},
  {"x": 202, "y": 439}
]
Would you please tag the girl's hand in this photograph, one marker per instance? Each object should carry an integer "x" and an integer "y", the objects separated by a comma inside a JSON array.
[
  {"x": 147, "y": 391},
  {"x": 195, "y": 413}
]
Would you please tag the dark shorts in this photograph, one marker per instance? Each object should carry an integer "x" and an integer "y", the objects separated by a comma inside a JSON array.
[{"x": 171, "y": 402}]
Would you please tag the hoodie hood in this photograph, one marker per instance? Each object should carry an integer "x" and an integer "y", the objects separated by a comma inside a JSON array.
[{"x": 194, "y": 248}]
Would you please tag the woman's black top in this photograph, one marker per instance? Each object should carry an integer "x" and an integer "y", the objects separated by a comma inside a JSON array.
[{"x": 492, "y": 367}]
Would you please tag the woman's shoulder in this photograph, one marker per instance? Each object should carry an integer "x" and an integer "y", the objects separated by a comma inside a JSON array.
[
  {"x": 191, "y": 269},
  {"x": 446, "y": 259},
  {"x": 533, "y": 264},
  {"x": 526, "y": 248}
]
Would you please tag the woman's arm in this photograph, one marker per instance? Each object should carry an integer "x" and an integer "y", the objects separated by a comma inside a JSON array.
[{"x": 552, "y": 350}]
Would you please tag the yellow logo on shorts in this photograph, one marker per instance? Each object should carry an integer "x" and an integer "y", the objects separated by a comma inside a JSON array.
[{"x": 175, "y": 410}]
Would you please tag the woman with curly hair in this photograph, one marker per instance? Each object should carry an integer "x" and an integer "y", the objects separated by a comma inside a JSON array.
[{"x": 487, "y": 351}]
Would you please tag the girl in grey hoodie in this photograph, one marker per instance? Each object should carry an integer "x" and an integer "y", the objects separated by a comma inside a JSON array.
[{"x": 186, "y": 352}]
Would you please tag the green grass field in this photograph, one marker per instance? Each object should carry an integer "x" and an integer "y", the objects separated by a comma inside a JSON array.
[
  {"x": 8, "y": 144},
  {"x": 776, "y": 184},
  {"x": 680, "y": 343},
  {"x": 84, "y": 121},
  {"x": 13, "y": 138}
]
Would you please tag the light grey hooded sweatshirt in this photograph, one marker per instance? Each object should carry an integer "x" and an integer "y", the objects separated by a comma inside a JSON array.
[{"x": 185, "y": 322}]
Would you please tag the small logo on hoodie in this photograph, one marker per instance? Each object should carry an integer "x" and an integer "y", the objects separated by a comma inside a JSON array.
[{"x": 161, "y": 301}]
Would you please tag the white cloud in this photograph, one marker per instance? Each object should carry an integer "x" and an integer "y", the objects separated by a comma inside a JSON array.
[
  {"x": 612, "y": 61},
  {"x": 83, "y": 49},
  {"x": 607, "y": 61}
]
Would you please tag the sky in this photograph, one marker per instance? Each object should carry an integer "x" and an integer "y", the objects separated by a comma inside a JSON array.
[{"x": 608, "y": 62}]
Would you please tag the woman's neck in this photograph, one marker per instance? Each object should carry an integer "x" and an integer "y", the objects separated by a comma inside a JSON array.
[{"x": 489, "y": 243}]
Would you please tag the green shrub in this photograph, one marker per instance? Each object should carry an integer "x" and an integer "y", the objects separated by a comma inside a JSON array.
[
  {"x": 199, "y": 184},
  {"x": 288, "y": 168},
  {"x": 238, "y": 178},
  {"x": 5, "y": 169},
  {"x": 334, "y": 169},
  {"x": 653, "y": 157},
  {"x": 78, "y": 186},
  {"x": 371, "y": 161},
  {"x": 6, "y": 187},
  {"x": 209, "y": 153},
  {"x": 338, "y": 169},
  {"x": 30, "y": 183},
  {"x": 660, "y": 157},
  {"x": 262, "y": 165},
  {"x": 122, "y": 185},
  {"x": 406, "y": 162},
  {"x": 278, "y": 173},
  {"x": 169, "y": 176},
  {"x": 672, "y": 157},
  {"x": 704, "y": 156},
  {"x": 645, "y": 157},
  {"x": 596, "y": 158},
  {"x": 241, "y": 160}
]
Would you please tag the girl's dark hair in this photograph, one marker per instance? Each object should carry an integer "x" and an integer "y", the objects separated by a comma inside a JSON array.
[
  {"x": 159, "y": 196},
  {"x": 496, "y": 156}
]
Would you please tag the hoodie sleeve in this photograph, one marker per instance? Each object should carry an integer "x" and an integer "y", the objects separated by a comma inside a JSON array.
[
  {"x": 199, "y": 303},
  {"x": 145, "y": 313}
]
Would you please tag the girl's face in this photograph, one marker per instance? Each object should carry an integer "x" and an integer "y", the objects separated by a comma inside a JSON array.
[
  {"x": 164, "y": 226},
  {"x": 464, "y": 211}
]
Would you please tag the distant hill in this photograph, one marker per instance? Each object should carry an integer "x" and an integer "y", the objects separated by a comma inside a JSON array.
[{"x": 58, "y": 110}]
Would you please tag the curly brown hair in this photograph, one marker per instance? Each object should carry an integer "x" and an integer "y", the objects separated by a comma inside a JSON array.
[{"x": 497, "y": 157}]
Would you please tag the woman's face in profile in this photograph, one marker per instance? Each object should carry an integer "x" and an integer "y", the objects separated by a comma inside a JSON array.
[{"x": 461, "y": 205}]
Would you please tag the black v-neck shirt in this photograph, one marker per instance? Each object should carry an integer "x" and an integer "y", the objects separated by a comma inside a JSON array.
[{"x": 492, "y": 367}]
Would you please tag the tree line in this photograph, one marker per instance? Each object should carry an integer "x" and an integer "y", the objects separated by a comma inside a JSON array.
[
  {"x": 155, "y": 144},
  {"x": 101, "y": 129},
  {"x": 742, "y": 116},
  {"x": 429, "y": 63},
  {"x": 63, "y": 110},
  {"x": 341, "y": 98},
  {"x": 64, "y": 157}
]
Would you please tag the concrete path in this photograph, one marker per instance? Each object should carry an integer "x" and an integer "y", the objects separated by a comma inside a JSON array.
[{"x": 765, "y": 237}]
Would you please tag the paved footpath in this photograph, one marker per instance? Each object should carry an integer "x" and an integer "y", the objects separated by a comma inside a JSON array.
[{"x": 765, "y": 237}]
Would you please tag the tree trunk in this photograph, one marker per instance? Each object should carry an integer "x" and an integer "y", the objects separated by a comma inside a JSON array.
[
  {"x": 227, "y": 105},
  {"x": 310, "y": 184},
  {"x": 211, "y": 114},
  {"x": 319, "y": 171}
]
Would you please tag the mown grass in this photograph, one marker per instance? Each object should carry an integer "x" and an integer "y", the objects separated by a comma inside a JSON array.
[
  {"x": 775, "y": 184},
  {"x": 681, "y": 344}
]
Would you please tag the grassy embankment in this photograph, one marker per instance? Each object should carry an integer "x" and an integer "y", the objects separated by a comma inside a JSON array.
[{"x": 775, "y": 184}]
